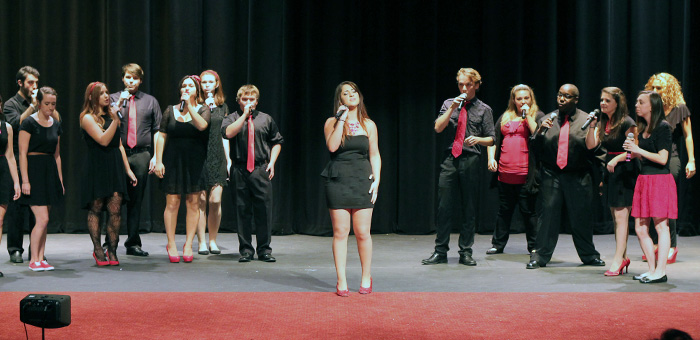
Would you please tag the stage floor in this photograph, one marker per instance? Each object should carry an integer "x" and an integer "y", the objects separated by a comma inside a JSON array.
[{"x": 305, "y": 264}]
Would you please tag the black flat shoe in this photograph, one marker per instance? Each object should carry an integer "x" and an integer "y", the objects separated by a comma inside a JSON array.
[
  {"x": 533, "y": 265},
  {"x": 245, "y": 258},
  {"x": 659, "y": 280},
  {"x": 595, "y": 262},
  {"x": 136, "y": 251},
  {"x": 494, "y": 250},
  {"x": 1, "y": 274},
  {"x": 16, "y": 257},
  {"x": 203, "y": 252},
  {"x": 435, "y": 258},
  {"x": 638, "y": 277},
  {"x": 266, "y": 258},
  {"x": 466, "y": 260}
]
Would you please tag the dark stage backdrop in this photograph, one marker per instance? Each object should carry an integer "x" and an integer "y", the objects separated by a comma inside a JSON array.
[{"x": 403, "y": 57}]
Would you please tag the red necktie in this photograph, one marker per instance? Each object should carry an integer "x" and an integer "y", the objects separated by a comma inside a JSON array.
[
  {"x": 251, "y": 145},
  {"x": 563, "y": 152},
  {"x": 461, "y": 131},
  {"x": 131, "y": 129}
]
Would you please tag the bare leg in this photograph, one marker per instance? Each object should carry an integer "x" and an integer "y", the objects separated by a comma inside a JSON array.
[
  {"x": 93, "y": 222},
  {"x": 191, "y": 220},
  {"x": 202, "y": 223},
  {"x": 340, "y": 218},
  {"x": 662, "y": 229},
  {"x": 172, "y": 205},
  {"x": 641, "y": 227},
  {"x": 38, "y": 236},
  {"x": 214, "y": 218},
  {"x": 114, "y": 207},
  {"x": 362, "y": 223},
  {"x": 621, "y": 215}
]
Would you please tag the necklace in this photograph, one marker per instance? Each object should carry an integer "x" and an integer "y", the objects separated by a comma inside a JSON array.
[{"x": 353, "y": 127}]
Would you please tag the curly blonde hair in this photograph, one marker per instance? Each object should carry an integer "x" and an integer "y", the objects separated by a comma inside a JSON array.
[{"x": 671, "y": 94}]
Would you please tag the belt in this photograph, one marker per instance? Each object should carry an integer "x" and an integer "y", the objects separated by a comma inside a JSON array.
[
  {"x": 616, "y": 153},
  {"x": 134, "y": 151}
]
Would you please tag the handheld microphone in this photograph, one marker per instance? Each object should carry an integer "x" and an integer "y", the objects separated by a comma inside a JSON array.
[
  {"x": 340, "y": 113},
  {"x": 119, "y": 112},
  {"x": 590, "y": 119},
  {"x": 544, "y": 129},
  {"x": 630, "y": 136},
  {"x": 182, "y": 102},
  {"x": 124, "y": 103},
  {"x": 525, "y": 108},
  {"x": 212, "y": 105}
]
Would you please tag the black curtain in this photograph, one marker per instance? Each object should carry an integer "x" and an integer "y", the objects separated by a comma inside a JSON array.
[{"x": 404, "y": 58}]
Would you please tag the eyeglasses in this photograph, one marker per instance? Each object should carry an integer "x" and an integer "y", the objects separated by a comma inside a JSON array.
[{"x": 565, "y": 95}]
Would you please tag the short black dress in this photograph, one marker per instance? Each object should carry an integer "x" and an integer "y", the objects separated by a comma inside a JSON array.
[
  {"x": 619, "y": 185},
  {"x": 184, "y": 153},
  {"x": 103, "y": 169},
  {"x": 42, "y": 171},
  {"x": 6, "y": 185},
  {"x": 215, "y": 172},
  {"x": 347, "y": 175}
]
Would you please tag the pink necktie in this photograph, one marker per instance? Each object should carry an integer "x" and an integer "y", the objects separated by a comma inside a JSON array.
[
  {"x": 461, "y": 131},
  {"x": 563, "y": 152},
  {"x": 251, "y": 145},
  {"x": 131, "y": 130}
]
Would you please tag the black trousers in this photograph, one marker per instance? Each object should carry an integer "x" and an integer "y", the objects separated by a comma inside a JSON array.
[
  {"x": 139, "y": 165},
  {"x": 572, "y": 190},
  {"x": 457, "y": 190},
  {"x": 253, "y": 197},
  {"x": 510, "y": 195},
  {"x": 15, "y": 218}
]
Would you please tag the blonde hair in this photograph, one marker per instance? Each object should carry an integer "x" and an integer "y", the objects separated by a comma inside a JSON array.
[
  {"x": 471, "y": 73},
  {"x": 510, "y": 113},
  {"x": 248, "y": 88},
  {"x": 671, "y": 94}
]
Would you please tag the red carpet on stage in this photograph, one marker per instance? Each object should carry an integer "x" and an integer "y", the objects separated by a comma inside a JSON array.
[{"x": 376, "y": 316}]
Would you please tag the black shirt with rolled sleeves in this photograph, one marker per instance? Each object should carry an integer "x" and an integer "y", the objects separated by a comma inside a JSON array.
[
  {"x": 13, "y": 109},
  {"x": 148, "y": 118},
  {"x": 266, "y": 134},
  {"x": 579, "y": 157},
  {"x": 479, "y": 123}
]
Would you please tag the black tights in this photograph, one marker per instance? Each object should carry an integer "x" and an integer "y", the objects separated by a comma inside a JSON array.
[{"x": 114, "y": 204}]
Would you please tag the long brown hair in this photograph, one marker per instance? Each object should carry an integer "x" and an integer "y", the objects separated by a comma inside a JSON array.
[
  {"x": 510, "y": 113},
  {"x": 219, "y": 97},
  {"x": 361, "y": 109},
  {"x": 199, "y": 98},
  {"x": 617, "y": 117},
  {"x": 657, "y": 112},
  {"x": 91, "y": 104}
]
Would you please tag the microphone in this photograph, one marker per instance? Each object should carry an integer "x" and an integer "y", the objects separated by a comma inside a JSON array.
[
  {"x": 124, "y": 103},
  {"x": 340, "y": 113},
  {"x": 590, "y": 119},
  {"x": 525, "y": 108},
  {"x": 212, "y": 105},
  {"x": 630, "y": 136},
  {"x": 119, "y": 112},
  {"x": 544, "y": 129}
]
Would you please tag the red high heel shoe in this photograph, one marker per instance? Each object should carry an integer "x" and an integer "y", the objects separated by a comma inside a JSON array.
[
  {"x": 185, "y": 258},
  {"x": 341, "y": 293},
  {"x": 99, "y": 263},
  {"x": 173, "y": 259},
  {"x": 625, "y": 266},
  {"x": 672, "y": 258},
  {"x": 367, "y": 290}
]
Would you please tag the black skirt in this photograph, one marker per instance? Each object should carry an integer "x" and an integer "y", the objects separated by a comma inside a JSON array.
[
  {"x": 6, "y": 186},
  {"x": 45, "y": 184}
]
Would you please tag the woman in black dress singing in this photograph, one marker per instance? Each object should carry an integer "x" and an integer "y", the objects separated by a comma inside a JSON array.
[
  {"x": 655, "y": 190},
  {"x": 621, "y": 175},
  {"x": 104, "y": 171},
  {"x": 182, "y": 150},
  {"x": 216, "y": 165},
  {"x": 352, "y": 180},
  {"x": 8, "y": 169},
  {"x": 40, "y": 167}
]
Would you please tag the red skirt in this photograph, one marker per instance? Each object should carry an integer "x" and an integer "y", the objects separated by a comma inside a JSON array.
[{"x": 655, "y": 196}]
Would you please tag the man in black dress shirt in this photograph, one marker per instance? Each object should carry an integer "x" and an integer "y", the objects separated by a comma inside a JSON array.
[
  {"x": 565, "y": 181},
  {"x": 467, "y": 122},
  {"x": 253, "y": 172},
  {"x": 138, "y": 136},
  {"x": 20, "y": 106}
]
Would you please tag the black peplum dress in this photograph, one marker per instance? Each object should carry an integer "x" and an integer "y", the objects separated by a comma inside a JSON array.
[
  {"x": 618, "y": 186},
  {"x": 103, "y": 169},
  {"x": 347, "y": 175},
  {"x": 184, "y": 153}
]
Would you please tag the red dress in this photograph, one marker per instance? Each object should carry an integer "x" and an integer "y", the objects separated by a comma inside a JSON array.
[{"x": 513, "y": 163}]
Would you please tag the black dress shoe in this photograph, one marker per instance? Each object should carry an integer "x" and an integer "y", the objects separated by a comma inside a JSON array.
[
  {"x": 494, "y": 250},
  {"x": 16, "y": 257},
  {"x": 659, "y": 280},
  {"x": 435, "y": 258},
  {"x": 596, "y": 262},
  {"x": 136, "y": 251},
  {"x": 245, "y": 258},
  {"x": 532, "y": 265},
  {"x": 466, "y": 260},
  {"x": 638, "y": 277},
  {"x": 1, "y": 274},
  {"x": 266, "y": 258}
]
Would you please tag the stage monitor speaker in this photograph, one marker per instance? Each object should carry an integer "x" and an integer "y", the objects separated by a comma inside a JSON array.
[{"x": 45, "y": 311}]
